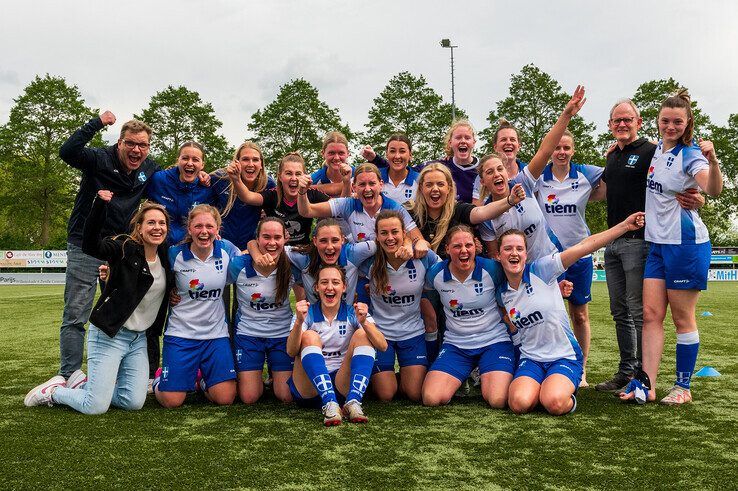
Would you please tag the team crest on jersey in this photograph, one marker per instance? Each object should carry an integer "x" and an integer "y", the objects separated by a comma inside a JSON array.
[
  {"x": 529, "y": 289},
  {"x": 412, "y": 273},
  {"x": 632, "y": 161},
  {"x": 342, "y": 328},
  {"x": 479, "y": 288},
  {"x": 669, "y": 161},
  {"x": 519, "y": 208},
  {"x": 239, "y": 355},
  {"x": 164, "y": 372},
  {"x": 219, "y": 265},
  {"x": 575, "y": 184},
  {"x": 408, "y": 193},
  {"x": 142, "y": 176},
  {"x": 455, "y": 305}
]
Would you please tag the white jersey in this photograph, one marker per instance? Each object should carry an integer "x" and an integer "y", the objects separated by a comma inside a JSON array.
[
  {"x": 200, "y": 314},
  {"x": 361, "y": 225},
  {"x": 335, "y": 334},
  {"x": 350, "y": 258},
  {"x": 405, "y": 191},
  {"x": 537, "y": 309},
  {"x": 258, "y": 314},
  {"x": 472, "y": 316},
  {"x": 397, "y": 309},
  {"x": 563, "y": 203},
  {"x": 670, "y": 173},
  {"x": 527, "y": 217}
]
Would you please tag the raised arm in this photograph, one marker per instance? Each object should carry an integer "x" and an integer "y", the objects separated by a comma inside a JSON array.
[
  {"x": 548, "y": 145},
  {"x": 93, "y": 243},
  {"x": 712, "y": 179},
  {"x": 375, "y": 335},
  {"x": 496, "y": 208},
  {"x": 596, "y": 241},
  {"x": 294, "y": 340},
  {"x": 304, "y": 206},
  {"x": 75, "y": 152},
  {"x": 244, "y": 193}
]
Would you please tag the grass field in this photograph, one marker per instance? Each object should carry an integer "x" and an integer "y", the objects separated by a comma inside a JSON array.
[{"x": 605, "y": 444}]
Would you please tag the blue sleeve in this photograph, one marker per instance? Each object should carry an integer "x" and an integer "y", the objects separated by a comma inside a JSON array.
[
  {"x": 234, "y": 268},
  {"x": 593, "y": 174},
  {"x": 173, "y": 253},
  {"x": 366, "y": 266},
  {"x": 431, "y": 274},
  {"x": 351, "y": 317},
  {"x": 380, "y": 161},
  {"x": 526, "y": 179},
  {"x": 319, "y": 176},
  {"x": 548, "y": 268},
  {"x": 230, "y": 249},
  {"x": 407, "y": 219},
  {"x": 297, "y": 259},
  {"x": 494, "y": 269},
  {"x": 359, "y": 252},
  {"x": 693, "y": 161},
  {"x": 430, "y": 260},
  {"x": 341, "y": 207},
  {"x": 296, "y": 274}
]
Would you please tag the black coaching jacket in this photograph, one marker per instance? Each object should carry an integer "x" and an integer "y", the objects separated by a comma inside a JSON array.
[{"x": 129, "y": 278}]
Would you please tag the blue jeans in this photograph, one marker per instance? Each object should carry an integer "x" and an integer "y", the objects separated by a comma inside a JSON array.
[
  {"x": 79, "y": 293},
  {"x": 625, "y": 260},
  {"x": 117, "y": 373}
]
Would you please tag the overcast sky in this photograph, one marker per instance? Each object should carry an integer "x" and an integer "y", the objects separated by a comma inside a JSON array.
[{"x": 236, "y": 54}]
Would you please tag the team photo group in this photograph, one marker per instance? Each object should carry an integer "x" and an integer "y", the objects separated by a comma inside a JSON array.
[{"x": 467, "y": 268}]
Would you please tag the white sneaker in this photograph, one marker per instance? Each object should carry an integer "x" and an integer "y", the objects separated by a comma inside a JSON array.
[
  {"x": 353, "y": 412},
  {"x": 332, "y": 414},
  {"x": 76, "y": 380},
  {"x": 41, "y": 394}
]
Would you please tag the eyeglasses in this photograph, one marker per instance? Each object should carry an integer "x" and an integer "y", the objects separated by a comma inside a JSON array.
[
  {"x": 617, "y": 121},
  {"x": 130, "y": 145}
]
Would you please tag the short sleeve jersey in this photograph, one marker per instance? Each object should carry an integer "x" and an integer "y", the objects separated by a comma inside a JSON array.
[
  {"x": 361, "y": 225},
  {"x": 350, "y": 258},
  {"x": 297, "y": 225},
  {"x": 396, "y": 310},
  {"x": 564, "y": 203},
  {"x": 404, "y": 191},
  {"x": 335, "y": 334},
  {"x": 239, "y": 225},
  {"x": 460, "y": 216},
  {"x": 672, "y": 172},
  {"x": 472, "y": 316},
  {"x": 200, "y": 313},
  {"x": 259, "y": 314},
  {"x": 537, "y": 310},
  {"x": 526, "y": 216},
  {"x": 320, "y": 176}
]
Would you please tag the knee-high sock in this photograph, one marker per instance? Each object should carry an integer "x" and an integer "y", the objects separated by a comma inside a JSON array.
[
  {"x": 362, "y": 363},
  {"x": 688, "y": 345},
  {"x": 314, "y": 365},
  {"x": 431, "y": 346}
]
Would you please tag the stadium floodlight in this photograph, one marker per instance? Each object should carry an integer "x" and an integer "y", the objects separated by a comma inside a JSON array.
[{"x": 446, "y": 43}]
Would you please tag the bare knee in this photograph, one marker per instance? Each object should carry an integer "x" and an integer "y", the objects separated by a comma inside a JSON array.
[
  {"x": 249, "y": 395},
  {"x": 520, "y": 404},
  {"x": 497, "y": 400},
  {"x": 170, "y": 400},
  {"x": 282, "y": 392},
  {"x": 557, "y": 405},
  {"x": 384, "y": 393}
]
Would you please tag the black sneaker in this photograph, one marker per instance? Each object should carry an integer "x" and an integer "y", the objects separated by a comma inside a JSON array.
[{"x": 617, "y": 382}]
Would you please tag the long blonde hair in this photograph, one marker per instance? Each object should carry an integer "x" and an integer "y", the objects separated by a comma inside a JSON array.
[
  {"x": 261, "y": 179},
  {"x": 483, "y": 192},
  {"x": 420, "y": 206}
]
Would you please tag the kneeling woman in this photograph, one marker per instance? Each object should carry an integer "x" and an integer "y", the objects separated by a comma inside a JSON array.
[
  {"x": 134, "y": 300},
  {"x": 264, "y": 316},
  {"x": 475, "y": 335},
  {"x": 396, "y": 288},
  {"x": 336, "y": 344},
  {"x": 550, "y": 367},
  {"x": 196, "y": 338}
]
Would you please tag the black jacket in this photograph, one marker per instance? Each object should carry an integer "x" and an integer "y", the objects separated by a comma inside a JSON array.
[
  {"x": 101, "y": 169},
  {"x": 129, "y": 277}
]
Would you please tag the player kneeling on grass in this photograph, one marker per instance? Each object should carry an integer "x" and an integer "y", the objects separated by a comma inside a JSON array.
[
  {"x": 133, "y": 301},
  {"x": 550, "y": 366},
  {"x": 196, "y": 338},
  {"x": 336, "y": 344}
]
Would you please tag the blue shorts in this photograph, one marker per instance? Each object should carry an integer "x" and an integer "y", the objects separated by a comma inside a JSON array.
[
  {"x": 683, "y": 267},
  {"x": 538, "y": 371},
  {"x": 313, "y": 402},
  {"x": 181, "y": 358},
  {"x": 580, "y": 274},
  {"x": 460, "y": 362},
  {"x": 251, "y": 352},
  {"x": 409, "y": 352}
]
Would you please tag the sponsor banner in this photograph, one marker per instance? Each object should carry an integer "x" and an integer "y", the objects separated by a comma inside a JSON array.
[
  {"x": 34, "y": 259},
  {"x": 32, "y": 279},
  {"x": 723, "y": 259},
  {"x": 712, "y": 275}
]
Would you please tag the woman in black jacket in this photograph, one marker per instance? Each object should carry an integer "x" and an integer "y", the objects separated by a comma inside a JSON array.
[{"x": 134, "y": 300}]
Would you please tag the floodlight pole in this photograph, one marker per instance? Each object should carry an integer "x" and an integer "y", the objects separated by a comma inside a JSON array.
[{"x": 446, "y": 43}]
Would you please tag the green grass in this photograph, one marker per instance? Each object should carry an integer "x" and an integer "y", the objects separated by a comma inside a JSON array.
[{"x": 465, "y": 445}]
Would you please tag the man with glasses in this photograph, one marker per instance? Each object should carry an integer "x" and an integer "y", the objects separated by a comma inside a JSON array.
[
  {"x": 624, "y": 180},
  {"x": 124, "y": 169}
]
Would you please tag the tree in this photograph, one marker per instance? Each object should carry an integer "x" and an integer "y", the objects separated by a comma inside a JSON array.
[
  {"x": 648, "y": 98},
  {"x": 408, "y": 105},
  {"x": 533, "y": 107},
  {"x": 177, "y": 115},
  {"x": 721, "y": 213},
  {"x": 295, "y": 121},
  {"x": 38, "y": 188}
]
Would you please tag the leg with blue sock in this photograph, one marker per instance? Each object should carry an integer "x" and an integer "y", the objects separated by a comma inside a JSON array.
[
  {"x": 687, "y": 347},
  {"x": 431, "y": 346},
  {"x": 362, "y": 362},
  {"x": 314, "y": 365}
]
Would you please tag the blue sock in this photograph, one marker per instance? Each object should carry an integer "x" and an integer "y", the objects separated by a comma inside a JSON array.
[
  {"x": 688, "y": 345},
  {"x": 362, "y": 363},
  {"x": 314, "y": 365},
  {"x": 431, "y": 346}
]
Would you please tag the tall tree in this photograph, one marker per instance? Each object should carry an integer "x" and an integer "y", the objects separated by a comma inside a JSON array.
[
  {"x": 648, "y": 98},
  {"x": 177, "y": 114},
  {"x": 296, "y": 120},
  {"x": 407, "y": 104},
  {"x": 721, "y": 214},
  {"x": 38, "y": 188}
]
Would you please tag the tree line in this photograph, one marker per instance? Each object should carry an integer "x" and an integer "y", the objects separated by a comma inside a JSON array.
[{"x": 38, "y": 189}]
